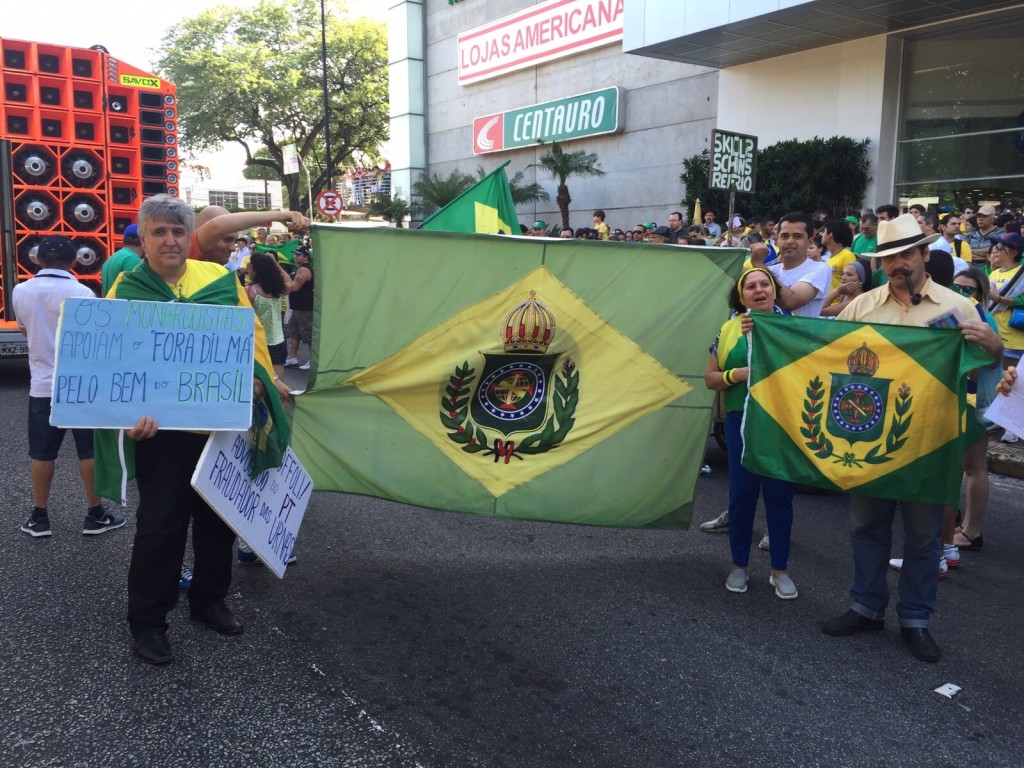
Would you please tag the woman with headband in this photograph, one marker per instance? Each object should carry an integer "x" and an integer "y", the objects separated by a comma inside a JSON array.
[
  {"x": 727, "y": 373},
  {"x": 855, "y": 280}
]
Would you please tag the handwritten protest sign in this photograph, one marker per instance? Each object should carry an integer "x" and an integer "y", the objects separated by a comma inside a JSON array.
[
  {"x": 189, "y": 366},
  {"x": 265, "y": 511}
]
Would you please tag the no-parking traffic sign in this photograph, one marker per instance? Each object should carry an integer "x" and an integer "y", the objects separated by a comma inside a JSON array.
[{"x": 329, "y": 203}]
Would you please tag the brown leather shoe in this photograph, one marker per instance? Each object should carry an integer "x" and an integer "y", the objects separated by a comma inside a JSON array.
[{"x": 219, "y": 618}]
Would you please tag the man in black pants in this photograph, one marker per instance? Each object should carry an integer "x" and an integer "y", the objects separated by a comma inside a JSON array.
[{"x": 165, "y": 460}]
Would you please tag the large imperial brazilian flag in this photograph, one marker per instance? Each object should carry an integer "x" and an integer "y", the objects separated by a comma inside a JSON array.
[
  {"x": 486, "y": 208},
  {"x": 871, "y": 409},
  {"x": 533, "y": 378}
]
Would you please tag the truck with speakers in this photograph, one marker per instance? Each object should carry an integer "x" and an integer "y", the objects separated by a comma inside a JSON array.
[{"x": 84, "y": 138}]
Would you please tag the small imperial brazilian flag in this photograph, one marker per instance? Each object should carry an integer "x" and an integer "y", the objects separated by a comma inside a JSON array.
[
  {"x": 535, "y": 378},
  {"x": 875, "y": 410},
  {"x": 486, "y": 208}
]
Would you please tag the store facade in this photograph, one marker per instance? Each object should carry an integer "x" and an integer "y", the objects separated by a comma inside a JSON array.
[
  {"x": 478, "y": 82},
  {"x": 937, "y": 88}
]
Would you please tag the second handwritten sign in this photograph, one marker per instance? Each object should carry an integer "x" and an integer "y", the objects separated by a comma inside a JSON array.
[{"x": 189, "y": 366}]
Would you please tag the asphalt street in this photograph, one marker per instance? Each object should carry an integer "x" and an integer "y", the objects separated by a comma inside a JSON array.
[{"x": 410, "y": 637}]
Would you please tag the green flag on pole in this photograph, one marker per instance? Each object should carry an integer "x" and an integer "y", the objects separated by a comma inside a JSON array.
[
  {"x": 485, "y": 208},
  {"x": 540, "y": 379},
  {"x": 875, "y": 410}
]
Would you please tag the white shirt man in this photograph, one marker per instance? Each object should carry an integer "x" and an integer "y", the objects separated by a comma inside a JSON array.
[{"x": 805, "y": 282}]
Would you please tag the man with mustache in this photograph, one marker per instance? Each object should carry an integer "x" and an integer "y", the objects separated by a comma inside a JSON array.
[{"x": 910, "y": 297}]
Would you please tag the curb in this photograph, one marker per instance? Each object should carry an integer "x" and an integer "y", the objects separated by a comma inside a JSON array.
[{"x": 1003, "y": 461}]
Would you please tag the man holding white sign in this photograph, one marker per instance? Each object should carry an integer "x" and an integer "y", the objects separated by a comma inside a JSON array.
[{"x": 163, "y": 460}]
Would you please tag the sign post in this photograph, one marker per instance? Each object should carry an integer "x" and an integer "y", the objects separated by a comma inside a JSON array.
[
  {"x": 329, "y": 203},
  {"x": 733, "y": 167}
]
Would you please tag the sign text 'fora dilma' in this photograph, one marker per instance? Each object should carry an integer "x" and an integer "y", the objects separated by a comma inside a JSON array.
[{"x": 733, "y": 161}]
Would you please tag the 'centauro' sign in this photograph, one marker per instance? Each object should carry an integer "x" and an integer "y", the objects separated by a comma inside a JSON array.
[
  {"x": 733, "y": 161},
  {"x": 537, "y": 34},
  {"x": 589, "y": 114}
]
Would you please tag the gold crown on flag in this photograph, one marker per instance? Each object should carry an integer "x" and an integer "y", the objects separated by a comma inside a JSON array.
[
  {"x": 529, "y": 327},
  {"x": 863, "y": 362}
]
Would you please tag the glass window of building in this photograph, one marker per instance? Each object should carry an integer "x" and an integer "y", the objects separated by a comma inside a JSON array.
[
  {"x": 962, "y": 116},
  {"x": 223, "y": 198},
  {"x": 259, "y": 200}
]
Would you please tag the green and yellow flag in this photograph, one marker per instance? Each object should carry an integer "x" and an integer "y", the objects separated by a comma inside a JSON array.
[
  {"x": 540, "y": 379},
  {"x": 876, "y": 410},
  {"x": 284, "y": 253},
  {"x": 485, "y": 208}
]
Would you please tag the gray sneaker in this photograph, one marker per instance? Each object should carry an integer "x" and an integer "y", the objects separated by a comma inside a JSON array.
[
  {"x": 764, "y": 543},
  {"x": 719, "y": 525},
  {"x": 785, "y": 589},
  {"x": 737, "y": 581}
]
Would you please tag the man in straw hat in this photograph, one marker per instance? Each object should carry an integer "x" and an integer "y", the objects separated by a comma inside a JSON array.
[{"x": 910, "y": 297}]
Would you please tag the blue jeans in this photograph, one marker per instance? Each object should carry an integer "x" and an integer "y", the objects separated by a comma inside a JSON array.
[
  {"x": 871, "y": 536},
  {"x": 744, "y": 488}
]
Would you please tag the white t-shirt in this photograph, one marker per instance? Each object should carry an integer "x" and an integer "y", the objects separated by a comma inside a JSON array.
[
  {"x": 817, "y": 273},
  {"x": 37, "y": 308}
]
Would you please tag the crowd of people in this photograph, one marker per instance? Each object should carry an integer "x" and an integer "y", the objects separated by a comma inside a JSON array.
[
  {"x": 872, "y": 266},
  {"x": 876, "y": 267}
]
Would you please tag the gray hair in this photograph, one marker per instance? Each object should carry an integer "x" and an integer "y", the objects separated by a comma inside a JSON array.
[{"x": 168, "y": 209}]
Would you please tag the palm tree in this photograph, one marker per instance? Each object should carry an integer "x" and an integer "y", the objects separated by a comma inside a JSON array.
[
  {"x": 436, "y": 192},
  {"x": 390, "y": 209},
  {"x": 521, "y": 193},
  {"x": 562, "y": 165}
]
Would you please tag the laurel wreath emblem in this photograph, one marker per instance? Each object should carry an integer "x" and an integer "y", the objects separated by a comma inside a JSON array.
[
  {"x": 473, "y": 438},
  {"x": 818, "y": 442}
]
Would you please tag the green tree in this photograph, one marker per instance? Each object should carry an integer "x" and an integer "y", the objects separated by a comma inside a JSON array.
[
  {"x": 252, "y": 76},
  {"x": 563, "y": 165},
  {"x": 817, "y": 174},
  {"x": 436, "y": 191},
  {"x": 391, "y": 209},
  {"x": 521, "y": 193}
]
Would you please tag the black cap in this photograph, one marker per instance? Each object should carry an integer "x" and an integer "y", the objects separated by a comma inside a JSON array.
[
  {"x": 56, "y": 248},
  {"x": 662, "y": 231}
]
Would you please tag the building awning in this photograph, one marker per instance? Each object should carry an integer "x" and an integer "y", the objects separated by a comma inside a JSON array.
[{"x": 733, "y": 34}]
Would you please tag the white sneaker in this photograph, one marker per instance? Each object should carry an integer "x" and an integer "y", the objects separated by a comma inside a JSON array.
[
  {"x": 304, "y": 366},
  {"x": 719, "y": 525},
  {"x": 764, "y": 543},
  {"x": 951, "y": 554},
  {"x": 1008, "y": 437},
  {"x": 897, "y": 565},
  {"x": 291, "y": 362}
]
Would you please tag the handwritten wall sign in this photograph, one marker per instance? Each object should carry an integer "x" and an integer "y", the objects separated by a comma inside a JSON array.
[
  {"x": 265, "y": 511},
  {"x": 189, "y": 366}
]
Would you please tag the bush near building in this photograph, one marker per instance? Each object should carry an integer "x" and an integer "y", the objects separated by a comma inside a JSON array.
[{"x": 818, "y": 174}]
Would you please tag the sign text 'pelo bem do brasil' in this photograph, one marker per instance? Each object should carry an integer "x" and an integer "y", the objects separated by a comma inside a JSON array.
[
  {"x": 589, "y": 114},
  {"x": 534, "y": 35}
]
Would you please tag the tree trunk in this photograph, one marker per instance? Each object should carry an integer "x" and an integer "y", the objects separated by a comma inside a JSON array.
[{"x": 563, "y": 200}]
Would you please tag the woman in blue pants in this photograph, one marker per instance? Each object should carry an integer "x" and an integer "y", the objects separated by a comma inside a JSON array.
[{"x": 727, "y": 373}]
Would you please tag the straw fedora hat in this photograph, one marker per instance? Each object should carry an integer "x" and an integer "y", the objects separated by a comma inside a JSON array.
[{"x": 899, "y": 234}]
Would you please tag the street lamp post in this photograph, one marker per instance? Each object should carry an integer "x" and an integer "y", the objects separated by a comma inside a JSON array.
[{"x": 327, "y": 116}]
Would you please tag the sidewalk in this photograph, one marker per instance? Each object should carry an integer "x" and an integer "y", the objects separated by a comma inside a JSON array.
[{"x": 1006, "y": 458}]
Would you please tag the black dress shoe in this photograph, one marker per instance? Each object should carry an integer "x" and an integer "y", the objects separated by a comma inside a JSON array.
[
  {"x": 921, "y": 644},
  {"x": 851, "y": 623},
  {"x": 218, "y": 617},
  {"x": 152, "y": 647}
]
